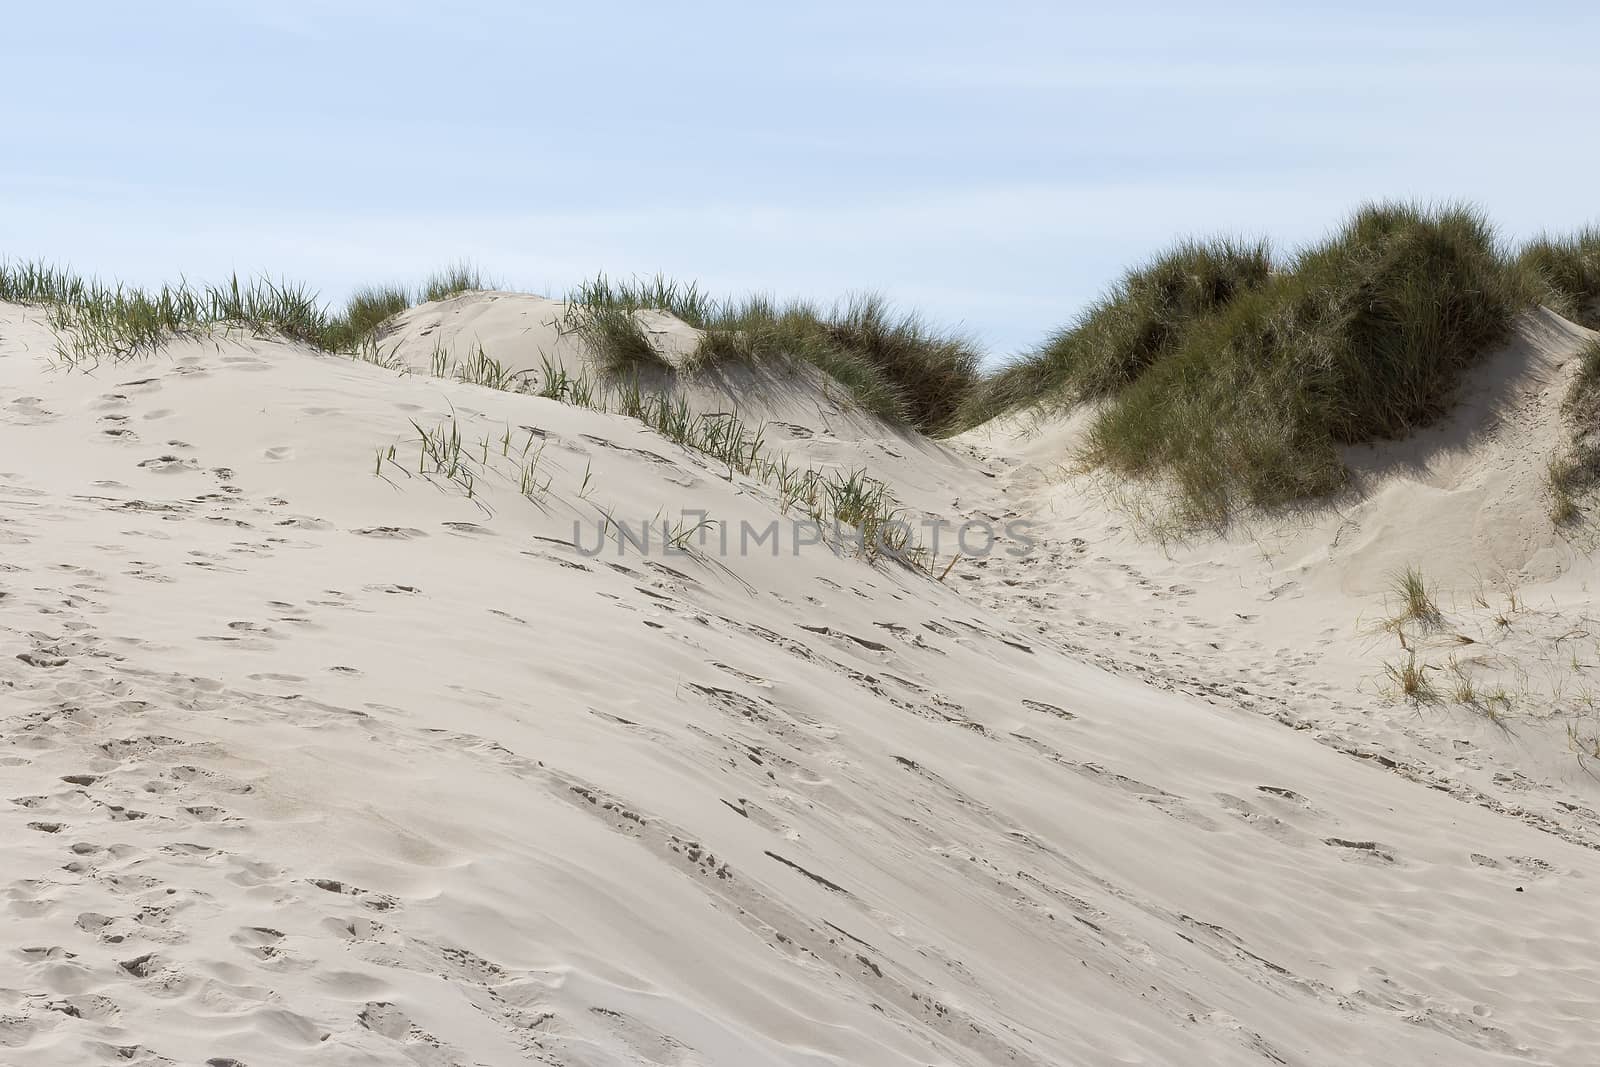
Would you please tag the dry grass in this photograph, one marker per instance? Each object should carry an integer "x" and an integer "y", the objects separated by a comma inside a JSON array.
[
  {"x": 1415, "y": 601},
  {"x": 1409, "y": 680}
]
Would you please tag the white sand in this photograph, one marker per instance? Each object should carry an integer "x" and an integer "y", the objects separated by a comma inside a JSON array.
[{"x": 300, "y": 765}]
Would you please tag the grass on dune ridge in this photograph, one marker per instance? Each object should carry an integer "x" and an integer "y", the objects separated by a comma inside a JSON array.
[
  {"x": 894, "y": 364},
  {"x": 1568, "y": 268},
  {"x": 95, "y": 320},
  {"x": 1575, "y": 471},
  {"x": 1142, "y": 318},
  {"x": 117, "y": 322},
  {"x": 1234, "y": 381},
  {"x": 462, "y": 276},
  {"x": 1224, "y": 373}
]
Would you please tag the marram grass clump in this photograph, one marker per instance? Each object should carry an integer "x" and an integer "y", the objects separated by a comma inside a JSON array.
[
  {"x": 370, "y": 306},
  {"x": 1574, "y": 472},
  {"x": 893, "y": 364},
  {"x": 462, "y": 276},
  {"x": 1142, "y": 320},
  {"x": 1365, "y": 337},
  {"x": 1569, "y": 270},
  {"x": 97, "y": 321},
  {"x": 1242, "y": 390},
  {"x": 606, "y": 316}
]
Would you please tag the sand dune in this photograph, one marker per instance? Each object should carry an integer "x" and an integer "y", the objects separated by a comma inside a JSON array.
[
  {"x": 309, "y": 760},
  {"x": 527, "y": 334}
]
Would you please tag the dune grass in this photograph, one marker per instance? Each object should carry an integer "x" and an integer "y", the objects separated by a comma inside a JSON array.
[
  {"x": 605, "y": 316},
  {"x": 97, "y": 321},
  {"x": 1141, "y": 320},
  {"x": 655, "y": 293},
  {"x": 1583, "y": 399},
  {"x": 1409, "y": 681},
  {"x": 1569, "y": 267},
  {"x": 41, "y": 283},
  {"x": 1217, "y": 371},
  {"x": 1566, "y": 477},
  {"x": 1575, "y": 471},
  {"x": 828, "y": 497},
  {"x": 1234, "y": 382},
  {"x": 1364, "y": 338},
  {"x": 893, "y": 364},
  {"x": 929, "y": 371},
  {"x": 1415, "y": 601},
  {"x": 370, "y": 306},
  {"x": 461, "y": 276},
  {"x": 758, "y": 330}
]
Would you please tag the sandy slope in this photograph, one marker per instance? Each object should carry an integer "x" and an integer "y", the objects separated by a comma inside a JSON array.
[
  {"x": 302, "y": 765},
  {"x": 1287, "y": 617}
]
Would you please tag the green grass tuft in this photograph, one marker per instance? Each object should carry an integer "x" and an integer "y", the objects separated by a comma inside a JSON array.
[
  {"x": 657, "y": 293},
  {"x": 1140, "y": 321},
  {"x": 459, "y": 277},
  {"x": 1575, "y": 472},
  {"x": 932, "y": 371},
  {"x": 1410, "y": 681},
  {"x": 1415, "y": 600},
  {"x": 1569, "y": 268},
  {"x": 372, "y": 305},
  {"x": 95, "y": 321},
  {"x": 757, "y": 330},
  {"x": 43, "y": 284},
  {"x": 893, "y": 365},
  {"x": 617, "y": 339}
]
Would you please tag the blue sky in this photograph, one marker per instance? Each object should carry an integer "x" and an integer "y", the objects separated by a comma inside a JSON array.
[{"x": 994, "y": 165}]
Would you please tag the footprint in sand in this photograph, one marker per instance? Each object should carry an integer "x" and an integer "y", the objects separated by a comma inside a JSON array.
[
  {"x": 644, "y": 1041},
  {"x": 169, "y": 465},
  {"x": 1049, "y": 709},
  {"x": 258, "y": 941},
  {"x": 389, "y": 1021},
  {"x": 395, "y": 533},
  {"x": 1266, "y": 822},
  {"x": 1368, "y": 851}
]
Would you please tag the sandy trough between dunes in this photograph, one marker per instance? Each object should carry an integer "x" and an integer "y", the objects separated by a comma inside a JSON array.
[{"x": 304, "y": 765}]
